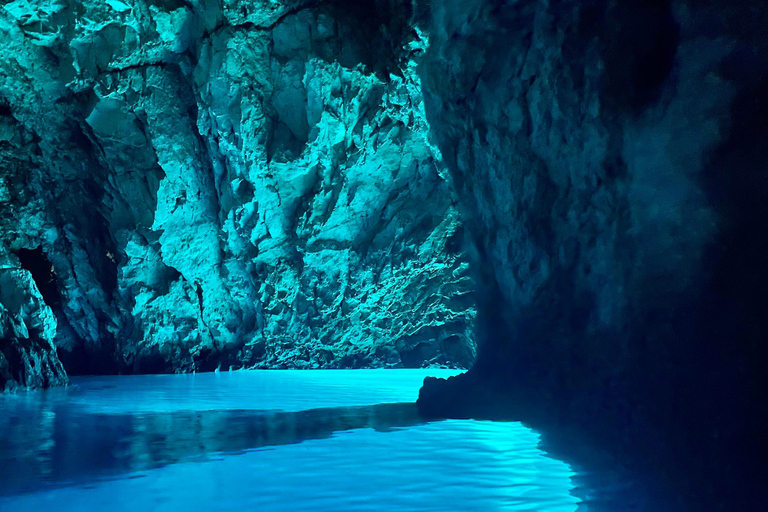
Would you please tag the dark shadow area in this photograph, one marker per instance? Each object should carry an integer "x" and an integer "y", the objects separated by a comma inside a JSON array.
[
  {"x": 79, "y": 361},
  {"x": 78, "y": 447},
  {"x": 672, "y": 385},
  {"x": 670, "y": 470},
  {"x": 82, "y": 360},
  {"x": 37, "y": 263},
  {"x": 606, "y": 479},
  {"x": 5, "y": 108},
  {"x": 641, "y": 39},
  {"x": 380, "y": 27}
]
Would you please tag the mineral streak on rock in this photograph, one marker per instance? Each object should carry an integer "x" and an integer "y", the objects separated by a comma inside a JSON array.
[{"x": 228, "y": 184}]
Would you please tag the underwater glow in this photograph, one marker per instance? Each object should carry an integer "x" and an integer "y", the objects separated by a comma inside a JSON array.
[{"x": 161, "y": 443}]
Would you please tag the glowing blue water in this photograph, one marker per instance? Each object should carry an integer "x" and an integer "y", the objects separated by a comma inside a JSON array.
[{"x": 267, "y": 441}]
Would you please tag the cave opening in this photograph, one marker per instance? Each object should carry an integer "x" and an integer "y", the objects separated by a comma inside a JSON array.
[
  {"x": 5, "y": 108},
  {"x": 43, "y": 273},
  {"x": 381, "y": 29}
]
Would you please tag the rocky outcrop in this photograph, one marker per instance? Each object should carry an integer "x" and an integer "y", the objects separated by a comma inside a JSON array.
[
  {"x": 27, "y": 331},
  {"x": 229, "y": 184},
  {"x": 608, "y": 160}
]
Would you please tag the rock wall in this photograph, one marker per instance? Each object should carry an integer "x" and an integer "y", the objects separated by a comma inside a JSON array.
[
  {"x": 27, "y": 331},
  {"x": 609, "y": 160},
  {"x": 228, "y": 184}
]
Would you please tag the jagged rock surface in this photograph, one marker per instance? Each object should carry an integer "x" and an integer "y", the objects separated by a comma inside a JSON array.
[
  {"x": 221, "y": 184},
  {"x": 609, "y": 160},
  {"x": 27, "y": 332}
]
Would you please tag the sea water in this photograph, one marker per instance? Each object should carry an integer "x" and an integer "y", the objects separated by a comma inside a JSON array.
[{"x": 319, "y": 440}]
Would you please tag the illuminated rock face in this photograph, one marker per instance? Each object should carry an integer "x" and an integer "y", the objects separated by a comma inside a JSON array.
[{"x": 245, "y": 184}]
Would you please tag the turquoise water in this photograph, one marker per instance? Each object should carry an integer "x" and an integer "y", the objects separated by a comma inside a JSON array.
[{"x": 269, "y": 441}]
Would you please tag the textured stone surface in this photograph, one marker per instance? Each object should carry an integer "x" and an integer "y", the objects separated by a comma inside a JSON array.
[
  {"x": 27, "y": 331},
  {"x": 607, "y": 161},
  {"x": 229, "y": 184}
]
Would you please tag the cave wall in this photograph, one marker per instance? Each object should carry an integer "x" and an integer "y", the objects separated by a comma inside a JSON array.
[
  {"x": 229, "y": 184},
  {"x": 609, "y": 159},
  {"x": 27, "y": 332}
]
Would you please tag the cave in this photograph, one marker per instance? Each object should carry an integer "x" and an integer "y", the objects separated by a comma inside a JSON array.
[
  {"x": 402, "y": 254},
  {"x": 43, "y": 273}
]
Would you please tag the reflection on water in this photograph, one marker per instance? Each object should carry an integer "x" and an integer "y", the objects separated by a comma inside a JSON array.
[
  {"x": 75, "y": 447},
  {"x": 81, "y": 448}
]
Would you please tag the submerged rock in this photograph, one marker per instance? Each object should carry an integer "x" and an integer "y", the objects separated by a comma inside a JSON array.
[{"x": 230, "y": 184}]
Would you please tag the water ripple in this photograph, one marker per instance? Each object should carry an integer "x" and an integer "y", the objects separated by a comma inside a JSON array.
[{"x": 303, "y": 441}]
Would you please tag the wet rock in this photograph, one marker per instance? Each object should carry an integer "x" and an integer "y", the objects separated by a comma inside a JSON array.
[{"x": 230, "y": 184}]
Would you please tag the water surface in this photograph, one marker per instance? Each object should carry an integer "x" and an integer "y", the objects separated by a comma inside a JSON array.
[{"x": 332, "y": 440}]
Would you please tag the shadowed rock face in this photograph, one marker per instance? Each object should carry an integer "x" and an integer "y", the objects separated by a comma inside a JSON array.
[
  {"x": 27, "y": 331},
  {"x": 229, "y": 184},
  {"x": 607, "y": 162}
]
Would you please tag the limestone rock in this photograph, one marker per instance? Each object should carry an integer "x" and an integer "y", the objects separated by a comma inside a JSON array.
[
  {"x": 27, "y": 332},
  {"x": 230, "y": 184}
]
